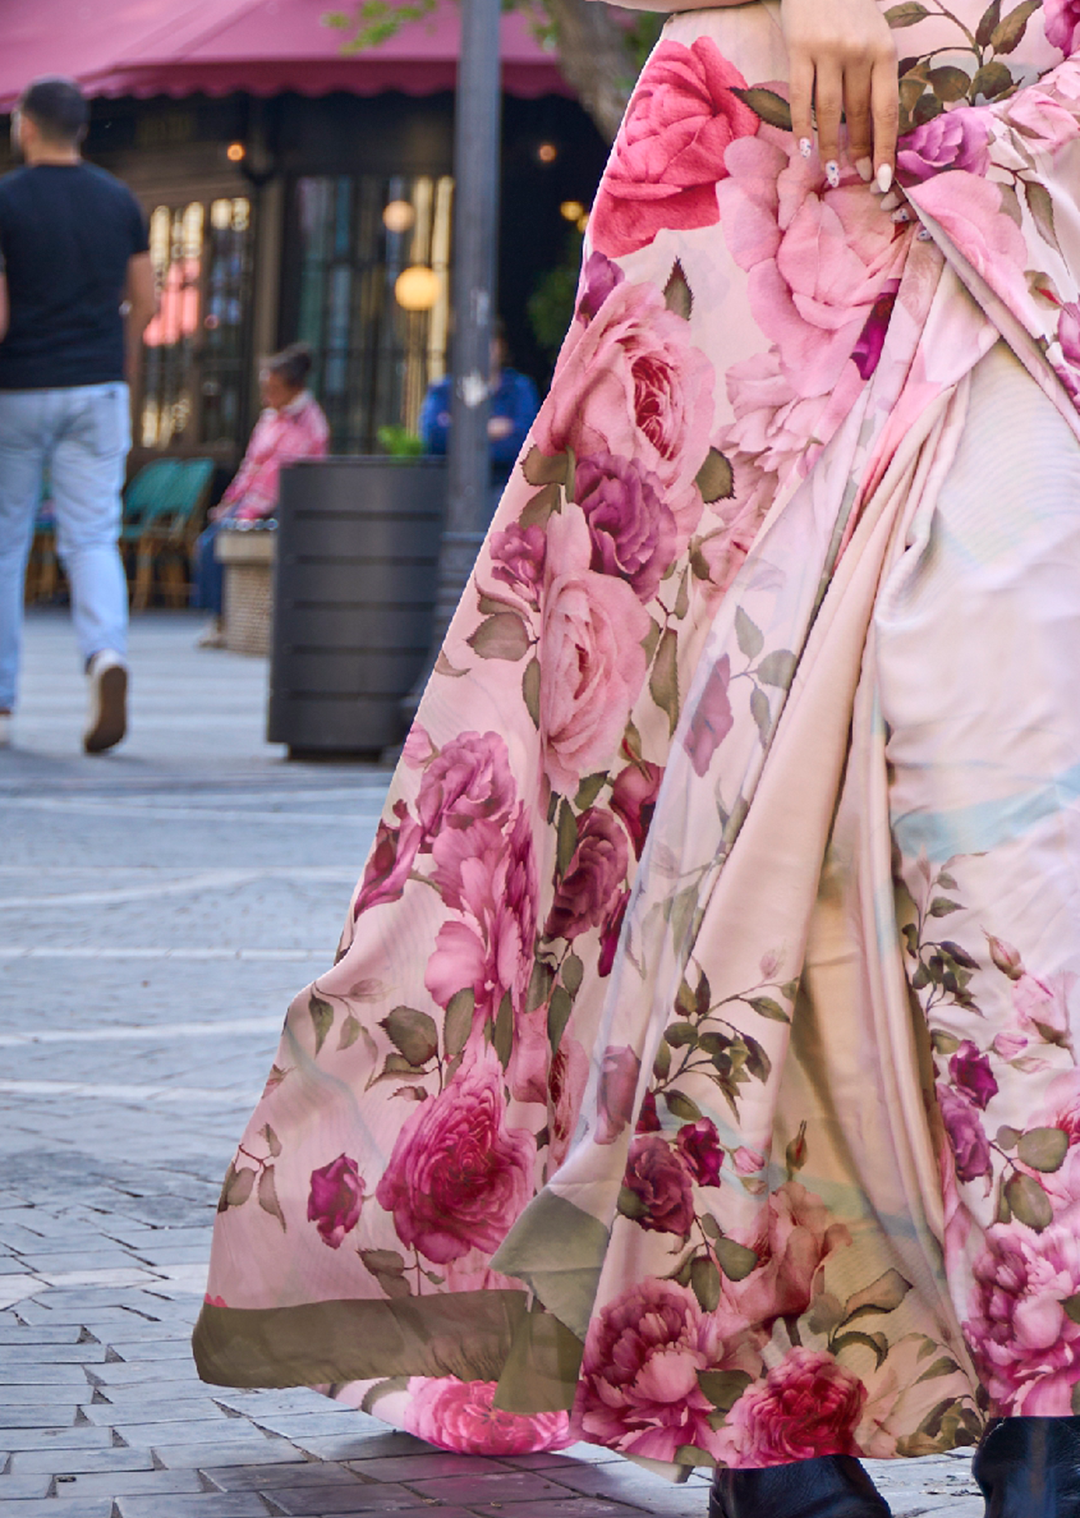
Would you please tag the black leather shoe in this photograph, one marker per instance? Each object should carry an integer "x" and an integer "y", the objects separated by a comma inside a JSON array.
[
  {"x": 1030, "y": 1468},
  {"x": 832, "y": 1486}
]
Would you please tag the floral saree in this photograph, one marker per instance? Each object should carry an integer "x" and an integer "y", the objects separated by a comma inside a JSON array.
[{"x": 696, "y": 1076}]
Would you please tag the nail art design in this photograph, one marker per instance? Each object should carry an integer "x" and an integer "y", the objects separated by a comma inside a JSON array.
[
  {"x": 902, "y": 215},
  {"x": 923, "y": 235},
  {"x": 832, "y": 173},
  {"x": 805, "y": 146}
]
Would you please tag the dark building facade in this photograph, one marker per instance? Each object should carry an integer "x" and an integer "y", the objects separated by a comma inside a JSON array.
[{"x": 269, "y": 223}]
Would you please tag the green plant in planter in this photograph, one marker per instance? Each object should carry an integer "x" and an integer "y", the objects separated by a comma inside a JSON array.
[{"x": 399, "y": 442}]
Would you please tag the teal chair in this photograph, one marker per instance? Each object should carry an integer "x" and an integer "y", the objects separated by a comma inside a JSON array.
[
  {"x": 149, "y": 494},
  {"x": 167, "y": 535}
]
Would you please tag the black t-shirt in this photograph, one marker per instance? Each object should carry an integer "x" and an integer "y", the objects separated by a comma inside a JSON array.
[{"x": 66, "y": 234}]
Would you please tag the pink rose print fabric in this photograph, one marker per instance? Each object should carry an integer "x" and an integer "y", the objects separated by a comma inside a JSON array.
[{"x": 612, "y": 1119}]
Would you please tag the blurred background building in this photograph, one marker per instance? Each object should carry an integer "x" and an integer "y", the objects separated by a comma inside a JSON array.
[{"x": 295, "y": 191}]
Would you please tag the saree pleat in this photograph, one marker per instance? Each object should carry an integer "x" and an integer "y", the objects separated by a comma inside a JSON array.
[{"x": 653, "y": 1098}]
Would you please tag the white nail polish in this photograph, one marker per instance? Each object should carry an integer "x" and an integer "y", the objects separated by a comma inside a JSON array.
[
  {"x": 889, "y": 202},
  {"x": 832, "y": 173},
  {"x": 806, "y": 147},
  {"x": 865, "y": 169},
  {"x": 923, "y": 235},
  {"x": 884, "y": 178},
  {"x": 902, "y": 215}
]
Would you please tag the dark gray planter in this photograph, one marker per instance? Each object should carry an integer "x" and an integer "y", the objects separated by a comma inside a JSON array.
[{"x": 354, "y": 593}]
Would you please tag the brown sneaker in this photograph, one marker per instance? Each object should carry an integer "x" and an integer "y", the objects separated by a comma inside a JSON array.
[{"x": 107, "y": 722}]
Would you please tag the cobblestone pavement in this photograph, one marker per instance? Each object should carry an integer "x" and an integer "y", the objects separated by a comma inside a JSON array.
[{"x": 158, "y": 909}]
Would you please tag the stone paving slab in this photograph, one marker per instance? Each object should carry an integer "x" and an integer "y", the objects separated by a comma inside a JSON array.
[{"x": 159, "y": 908}]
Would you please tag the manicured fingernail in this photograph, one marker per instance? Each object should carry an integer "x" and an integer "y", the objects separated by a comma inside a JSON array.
[
  {"x": 889, "y": 202},
  {"x": 923, "y": 235},
  {"x": 832, "y": 173},
  {"x": 902, "y": 215},
  {"x": 865, "y": 169},
  {"x": 884, "y": 178},
  {"x": 806, "y": 147}
]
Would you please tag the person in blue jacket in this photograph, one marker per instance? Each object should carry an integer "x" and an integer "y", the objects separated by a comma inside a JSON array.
[{"x": 514, "y": 404}]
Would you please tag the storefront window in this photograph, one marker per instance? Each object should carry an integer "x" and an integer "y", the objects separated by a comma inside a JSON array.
[
  {"x": 194, "y": 370},
  {"x": 373, "y": 359}
]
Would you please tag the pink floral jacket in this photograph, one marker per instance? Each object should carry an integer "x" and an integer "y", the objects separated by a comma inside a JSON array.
[{"x": 299, "y": 431}]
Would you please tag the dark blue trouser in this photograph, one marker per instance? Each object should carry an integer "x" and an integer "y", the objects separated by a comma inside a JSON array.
[{"x": 209, "y": 574}]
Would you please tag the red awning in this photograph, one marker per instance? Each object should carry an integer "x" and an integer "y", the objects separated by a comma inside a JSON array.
[{"x": 185, "y": 47}]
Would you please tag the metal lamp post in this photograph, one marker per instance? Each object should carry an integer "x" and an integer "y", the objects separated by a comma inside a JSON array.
[{"x": 476, "y": 207}]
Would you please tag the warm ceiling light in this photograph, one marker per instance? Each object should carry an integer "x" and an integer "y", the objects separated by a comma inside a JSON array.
[
  {"x": 236, "y": 152},
  {"x": 547, "y": 152},
  {"x": 399, "y": 216},
  {"x": 417, "y": 288},
  {"x": 571, "y": 210}
]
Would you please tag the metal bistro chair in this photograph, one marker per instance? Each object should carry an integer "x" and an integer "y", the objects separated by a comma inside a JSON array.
[{"x": 168, "y": 534}]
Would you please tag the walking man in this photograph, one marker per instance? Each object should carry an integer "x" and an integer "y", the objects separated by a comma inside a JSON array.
[{"x": 76, "y": 293}]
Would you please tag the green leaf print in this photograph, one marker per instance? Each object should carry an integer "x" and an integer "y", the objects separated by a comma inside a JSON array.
[
  {"x": 735, "y": 1260},
  {"x": 705, "y": 1283},
  {"x": 910, "y": 13},
  {"x": 1043, "y": 1149},
  {"x": 268, "y": 1199},
  {"x": 414, "y": 1033},
  {"x": 1009, "y": 32},
  {"x": 1029, "y": 1202},
  {"x": 723, "y": 1388},
  {"x": 770, "y": 107},
  {"x": 749, "y": 636},
  {"x": 322, "y": 1019},
  {"x": 503, "y": 636}
]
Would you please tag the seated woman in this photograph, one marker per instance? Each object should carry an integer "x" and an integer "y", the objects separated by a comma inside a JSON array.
[{"x": 291, "y": 427}]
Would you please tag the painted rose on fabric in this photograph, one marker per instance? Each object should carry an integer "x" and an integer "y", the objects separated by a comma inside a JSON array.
[
  {"x": 967, "y": 1137},
  {"x": 793, "y": 1239},
  {"x": 1068, "y": 335},
  {"x": 957, "y": 139},
  {"x": 599, "y": 276},
  {"x": 699, "y": 1149},
  {"x": 633, "y": 533},
  {"x": 1042, "y": 1006},
  {"x": 632, "y": 385},
  {"x": 567, "y": 1079},
  {"x": 669, "y": 153},
  {"x": 638, "y": 1390},
  {"x": 1061, "y": 21},
  {"x": 712, "y": 718},
  {"x": 458, "y": 1176},
  {"x": 808, "y": 1406},
  {"x": 518, "y": 555},
  {"x": 594, "y": 665},
  {"x": 620, "y": 1069},
  {"x": 1024, "y": 1342},
  {"x": 590, "y": 890},
  {"x": 970, "y": 212},
  {"x": 816, "y": 258},
  {"x": 335, "y": 1198},
  {"x": 611, "y": 933},
  {"x": 633, "y": 798},
  {"x": 469, "y": 779},
  {"x": 459, "y": 1415},
  {"x": 489, "y": 876},
  {"x": 657, "y": 1184},
  {"x": 971, "y": 1074},
  {"x": 390, "y": 861}
]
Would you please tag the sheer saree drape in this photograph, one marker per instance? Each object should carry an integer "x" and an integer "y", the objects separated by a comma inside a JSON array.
[{"x": 696, "y": 1075}]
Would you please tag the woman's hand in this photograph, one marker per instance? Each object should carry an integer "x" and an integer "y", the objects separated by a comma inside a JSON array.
[{"x": 843, "y": 57}]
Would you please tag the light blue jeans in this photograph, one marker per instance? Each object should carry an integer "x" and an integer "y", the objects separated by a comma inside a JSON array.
[{"x": 81, "y": 436}]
